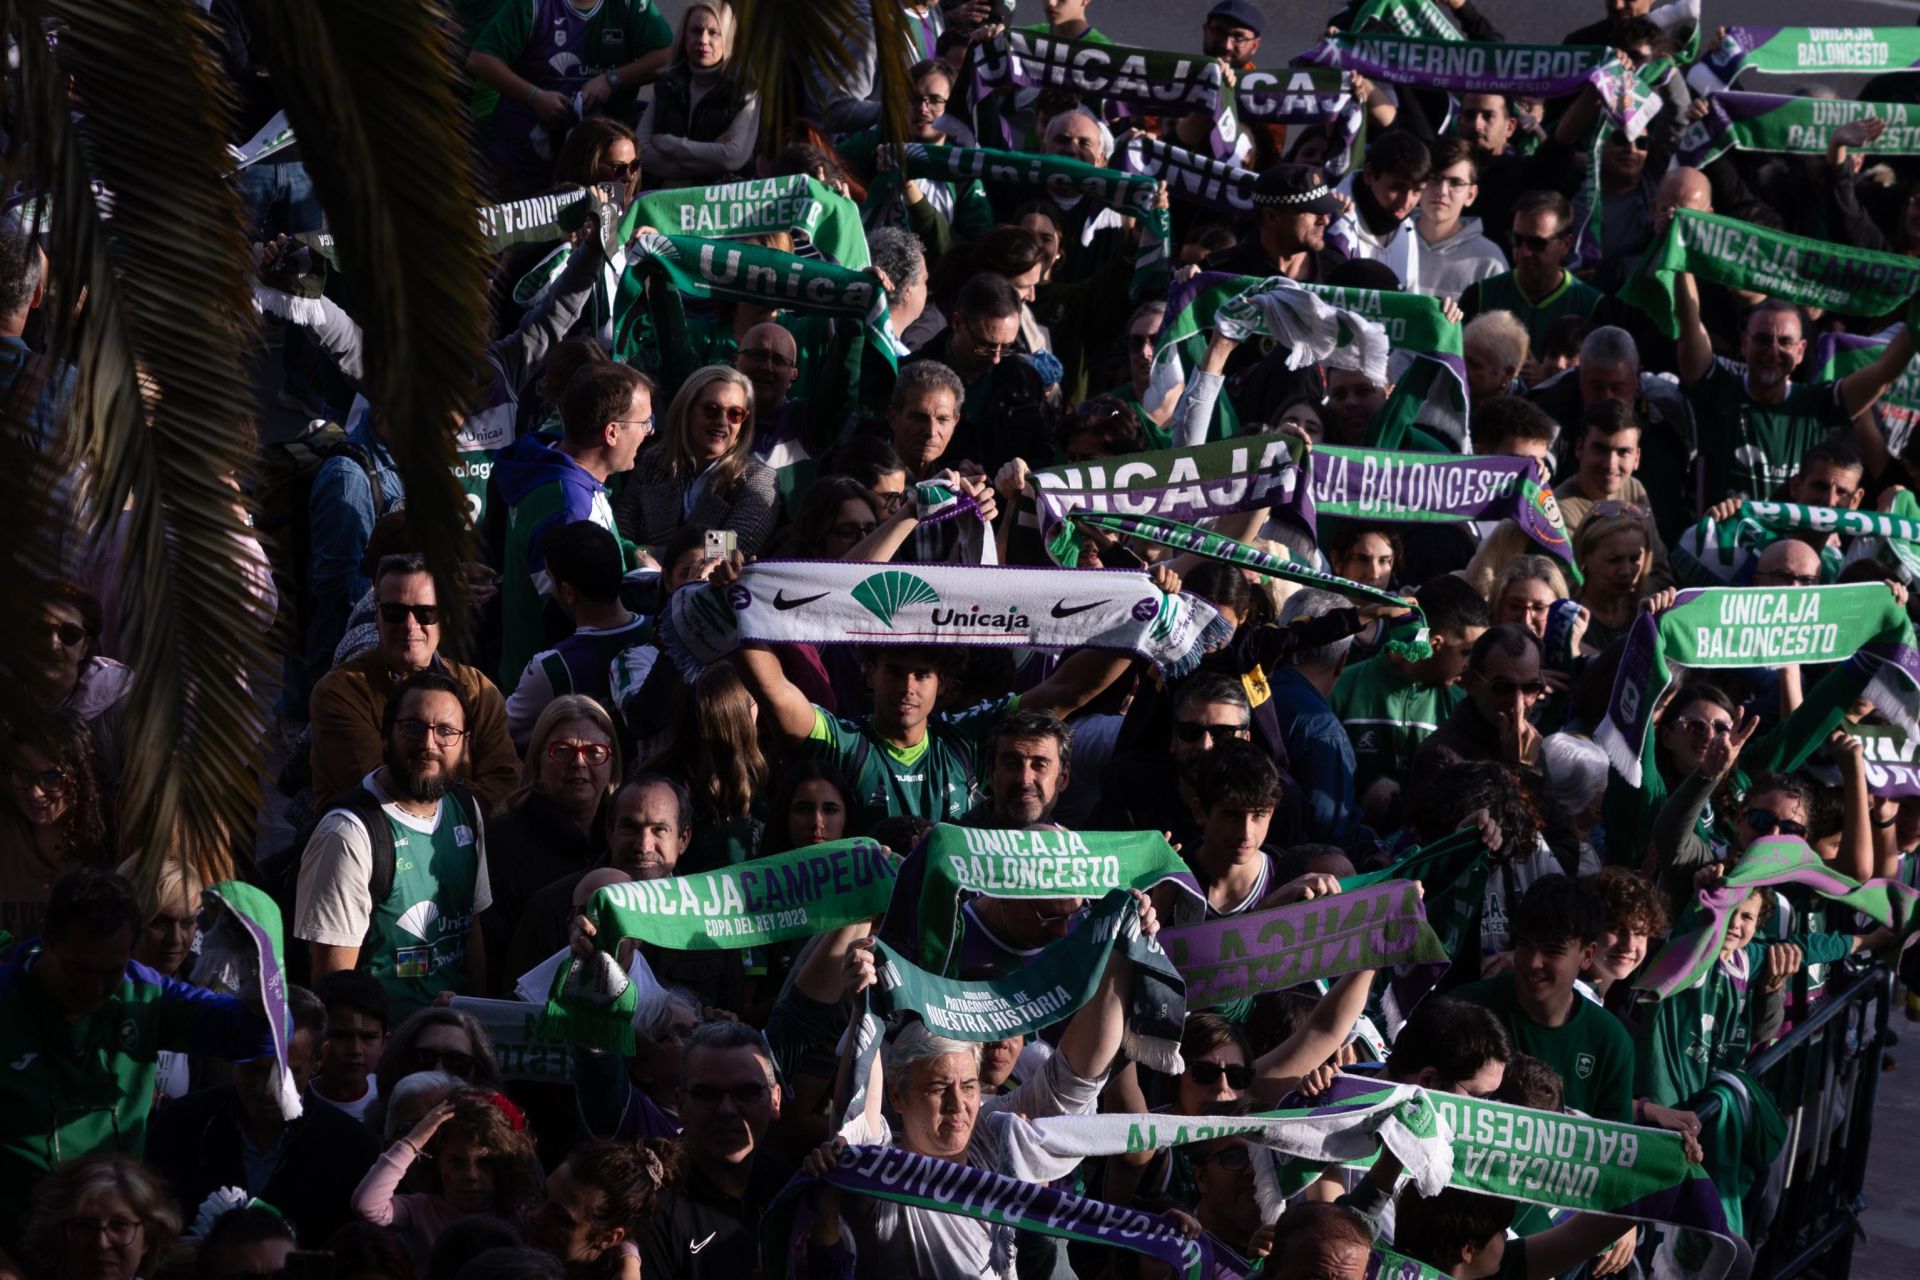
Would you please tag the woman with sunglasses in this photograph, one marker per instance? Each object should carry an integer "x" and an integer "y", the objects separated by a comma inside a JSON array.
[
  {"x": 701, "y": 471},
  {"x": 1142, "y": 325},
  {"x": 552, "y": 825},
  {"x": 1219, "y": 1060},
  {"x": 432, "y": 1039},
  {"x": 704, "y": 120},
  {"x": 54, "y": 820}
]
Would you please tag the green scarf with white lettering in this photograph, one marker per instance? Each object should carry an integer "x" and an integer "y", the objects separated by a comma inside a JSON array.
[
  {"x": 1753, "y": 259},
  {"x": 1782, "y": 124},
  {"x": 923, "y": 920},
  {"x": 1805, "y": 51},
  {"x": 758, "y": 206},
  {"x": 1900, "y": 533},
  {"x": 1732, "y": 627},
  {"x": 1408, "y": 17},
  {"x": 775, "y": 899}
]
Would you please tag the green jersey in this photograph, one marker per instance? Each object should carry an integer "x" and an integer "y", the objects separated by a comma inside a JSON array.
[
  {"x": 1591, "y": 1050},
  {"x": 937, "y": 778},
  {"x": 1387, "y": 714},
  {"x": 417, "y": 947},
  {"x": 1571, "y": 297},
  {"x": 80, "y": 1085},
  {"x": 1753, "y": 448}
]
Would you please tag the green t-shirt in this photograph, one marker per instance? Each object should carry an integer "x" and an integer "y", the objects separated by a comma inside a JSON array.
[
  {"x": 421, "y": 929},
  {"x": 938, "y": 779},
  {"x": 610, "y": 34},
  {"x": 1591, "y": 1050},
  {"x": 1388, "y": 715},
  {"x": 1754, "y": 448},
  {"x": 1571, "y": 297}
]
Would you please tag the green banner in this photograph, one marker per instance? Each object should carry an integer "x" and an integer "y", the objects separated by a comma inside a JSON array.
[
  {"x": 1786, "y": 125},
  {"x": 755, "y": 207}
]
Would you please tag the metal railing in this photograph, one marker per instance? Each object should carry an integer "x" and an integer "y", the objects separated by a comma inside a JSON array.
[{"x": 1824, "y": 1075}]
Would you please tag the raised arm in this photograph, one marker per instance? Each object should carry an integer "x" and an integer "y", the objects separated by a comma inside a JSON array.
[
  {"x": 1327, "y": 1027},
  {"x": 1861, "y": 388},
  {"x": 1194, "y": 414},
  {"x": 1093, "y": 1037},
  {"x": 1696, "y": 348}
]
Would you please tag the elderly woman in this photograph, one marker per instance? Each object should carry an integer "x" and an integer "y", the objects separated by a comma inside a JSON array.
[
  {"x": 100, "y": 1217},
  {"x": 703, "y": 121},
  {"x": 933, "y": 1084},
  {"x": 551, "y": 828},
  {"x": 1496, "y": 351},
  {"x": 700, "y": 471}
]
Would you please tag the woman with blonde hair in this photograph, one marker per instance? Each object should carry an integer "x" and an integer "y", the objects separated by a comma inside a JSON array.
[
  {"x": 703, "y": 122},
  {"x": 1615, "y": 556},
  {"x": 1526, "y": 591},
  {"x": 715, "y": 750},
  {"x": 700, "y": 470},
  {"x": 553, "y": 825},
  {"x": 99, "y": 1217}
]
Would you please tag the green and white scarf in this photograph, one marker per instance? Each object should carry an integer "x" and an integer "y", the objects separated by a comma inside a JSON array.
[
  {"x": 1901, "y": 534},
  {"x": 756, "y": 207},
  {"x": 747, "y": 273},
  {"x": 241, "y": 950},
  {"x": 1721, "y": 628},
  {"x": 754, "y": 904},
  {"x": 1785, "y": 125},
  {"x": 924, "y": 920},
  {"x": 1775, "y": 860},
  {"x": 1127, "y": 193},
  {"x": 1406, "y": 636},
  {"x": 1247, "y": 473},
  {"x": 1453, "y": 870},
  {"x": 1803, "y": 51},
  {"x": 1408, "y": 17},
  {"x": 513, "y": 1029},
  {"x": 972, "y": 606},
  {"x": 1752, "y": 259},
  {"x": 1712, "y": 552},
  {"x": 1838, "y": 354}
]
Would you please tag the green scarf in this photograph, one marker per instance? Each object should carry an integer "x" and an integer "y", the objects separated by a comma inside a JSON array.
[
  {"x": 754, "y": 904},
  {"x": 1802, "y": 51},
  {"x": 1718, "y": 628},
  {"x": 1407, "y": 635},
  {"x": 1454, "y": 871},
  {"x": 760, "y": 206},
  {"x": 1838, "y": 354},
  {"x": 1247, "y": 473},
  {"x": 1775, "y": 860},
  {"x": 1785, "y": 125},
  {"x": 242, "y": 949},
  {"x": 923, "y": 919},
  {"x": 1712, "y": 553},
  {"x": 747, "y": 273},
  {"x": 1408, "y": 17},
  {"x": 1739, "y": 255},
  {"x": 1902, "y": 534},
  {"x": 1127, "y": 193}
]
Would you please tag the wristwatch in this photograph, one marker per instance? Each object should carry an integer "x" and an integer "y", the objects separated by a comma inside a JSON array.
[{"x": 613, "y": 78}]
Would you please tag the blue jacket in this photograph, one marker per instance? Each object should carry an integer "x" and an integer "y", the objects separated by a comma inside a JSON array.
[
  {"x": 1320, "y": 757},
  {"x": 341, "y": 509}
]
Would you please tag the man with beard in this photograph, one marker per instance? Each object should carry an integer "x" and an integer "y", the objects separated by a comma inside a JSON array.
[
  {"x": 707, "y": 1222},
  {"x": 1755, "y": 423},
  {"x": 421, "y": 936}
]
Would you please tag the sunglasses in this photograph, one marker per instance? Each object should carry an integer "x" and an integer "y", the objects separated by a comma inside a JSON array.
[
  {"x": 68, "y": 634},
  {"x": 568, "y": 752},
  {"x": 1610, "y": 508},
  {"x": 625, "y": 169},
  {"x": 1782, "y": 579},
  {"x": 451, "y": 1061},
  {"x": 1536, "y": 244},
  {"x": 393, "y": 613},
  {"x": 1705, "y": 728},
  {"x": 1193, "y": 731},
  {"x": 1208, "y": 1074},
  {"x": 1641, "y": 143},
  {"x": 1507, "y": 688},
  {"x": 733, "y": 413},
  {"x": 1765, "y": 824}
]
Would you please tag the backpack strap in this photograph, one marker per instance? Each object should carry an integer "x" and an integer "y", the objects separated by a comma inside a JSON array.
[{"x": 366, "y": 806}]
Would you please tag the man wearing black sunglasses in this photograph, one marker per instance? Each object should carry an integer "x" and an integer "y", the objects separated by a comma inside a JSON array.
[
  {"x": 1503, "y": 684},
  {"x": 1209, "y": 710},
  {"x": 1539, "y": 290}
]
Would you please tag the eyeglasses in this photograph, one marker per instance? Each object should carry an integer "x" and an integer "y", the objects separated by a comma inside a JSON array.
[
  {"x": 889, "y": 502},
  {"x": 48, "y": 780},
  {"x": 68, "y": 634},
  {"x": 708, "y": 1096},
  {"x": 851, "y": 532},
  {"x": 1765, "y": 824},
  {"x": 1611, "y": 508},
  {"x": 985, "y": 348},
  {"x": 1208, "y": 1074},
  {"x": 1784, "y": 341},
  {"x": 1235, "y": 36},
  {"x": 451, "y": 1061},
  {"x": 414, "y": 730},
  {"x": 1504, "y": 689},
  {"x": 1704, "y": 728},
  {"x": 1138, "y": 340},
  {"x": 1780, "y": 578},
  {"x": 1619, "y": 139},
  {"x": 393, "y": 613},
  {"x": 760, "y": 355},
  {"x": 1193, "y": 731},
  {"x": 928, "y": 100},
  {"x": 116, "y": 1230},
  {"x": 568, "y": 752},
  {"x": 1449, "y": 184},
  {"x": 1535, "y": 244},
  {"x": 713, "y": 411},
  {"x": 645, "y": 424}
]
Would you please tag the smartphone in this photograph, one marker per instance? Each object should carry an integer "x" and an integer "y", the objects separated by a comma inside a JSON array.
[{"x": 722, "y": 543}]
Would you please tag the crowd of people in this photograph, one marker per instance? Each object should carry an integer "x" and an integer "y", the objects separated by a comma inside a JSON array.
[{"x": 667, "y": 443}]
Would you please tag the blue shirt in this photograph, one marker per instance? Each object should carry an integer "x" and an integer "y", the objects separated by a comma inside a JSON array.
[{"x": 1319, "y": 755}]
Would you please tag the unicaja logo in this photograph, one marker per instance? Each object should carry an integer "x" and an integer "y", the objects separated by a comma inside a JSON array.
[{"x": 885, "y": 594}]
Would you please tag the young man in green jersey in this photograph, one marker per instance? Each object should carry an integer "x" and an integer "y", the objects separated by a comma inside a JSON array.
[
  {"x": 1556, "y": 927},
  {"x": 1389, "y": 703}
]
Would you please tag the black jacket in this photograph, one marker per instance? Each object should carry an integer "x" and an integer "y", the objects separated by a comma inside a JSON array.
[
  {"x": 195, "y": 1144},
  {"x": 526, "y": 850},
  {"x": 1013, "y": 422},
  {"x": 698, "y": 1230}
]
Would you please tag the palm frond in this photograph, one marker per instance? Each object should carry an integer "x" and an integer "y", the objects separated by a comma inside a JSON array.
[
  {"x": 131, "y": 154},
  {"x": 783, "y": 41},
  {"x": 372, "y": 82}
]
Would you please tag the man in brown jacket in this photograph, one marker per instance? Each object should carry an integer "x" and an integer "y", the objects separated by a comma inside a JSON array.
[{"x": 349, "y": 701}]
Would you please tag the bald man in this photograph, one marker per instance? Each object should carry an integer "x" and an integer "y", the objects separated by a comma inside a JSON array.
[
  {"x": 1682, "y": 188},
  {"x": 770, "y": 359},
  {"x": 783, "y": 436},
  {"x": 1788, "y": 563}
]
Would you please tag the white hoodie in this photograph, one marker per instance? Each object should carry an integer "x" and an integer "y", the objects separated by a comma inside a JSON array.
[{"x": 1446, "y": 267}]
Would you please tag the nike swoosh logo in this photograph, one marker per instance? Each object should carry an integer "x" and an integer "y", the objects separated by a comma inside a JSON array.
[
  {"x": 1061, "y": 609},
  {"x": 780, "y": 601},
  {"x": 692, "y": 1246}
]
